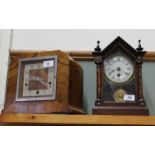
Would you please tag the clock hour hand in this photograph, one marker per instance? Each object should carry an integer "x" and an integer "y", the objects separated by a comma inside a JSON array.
[
  {"x": 38, "y": 79},
  {"x": 111, "y": 72}
]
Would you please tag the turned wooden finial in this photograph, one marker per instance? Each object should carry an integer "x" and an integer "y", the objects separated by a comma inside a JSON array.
[
  {"x": 98, "y": 49},
  {"x": 140, "y": 48}
]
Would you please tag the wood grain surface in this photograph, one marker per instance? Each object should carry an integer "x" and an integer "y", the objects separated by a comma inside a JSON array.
[
  {"x": 52, "y": 119},
  {"x": 87, "y": 55},
  {"x": 69, "y": 72}
]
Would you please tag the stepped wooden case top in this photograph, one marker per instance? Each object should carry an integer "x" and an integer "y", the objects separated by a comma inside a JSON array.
[
  {"x": 65, "y": 97},
  {"x": 119, "y": 79}
]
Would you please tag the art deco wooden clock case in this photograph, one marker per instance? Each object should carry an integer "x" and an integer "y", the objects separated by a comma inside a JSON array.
[
  {"x": 44, "y": 82},
  {"x": 119, "y": 79}
]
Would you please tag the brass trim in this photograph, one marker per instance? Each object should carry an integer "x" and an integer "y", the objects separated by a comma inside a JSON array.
[{"x": 119, "y": 95}]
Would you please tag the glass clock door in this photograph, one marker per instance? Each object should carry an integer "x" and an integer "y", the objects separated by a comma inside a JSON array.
[{"x": 119, "y": 77}]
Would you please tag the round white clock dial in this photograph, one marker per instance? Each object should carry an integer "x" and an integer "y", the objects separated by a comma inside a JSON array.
[{"x": 118, "y": 68}]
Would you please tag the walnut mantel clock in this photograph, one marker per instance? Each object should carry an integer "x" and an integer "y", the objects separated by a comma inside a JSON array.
[
  {"x": 119, "y": 79},
  {"x": 44, "y": 82}
]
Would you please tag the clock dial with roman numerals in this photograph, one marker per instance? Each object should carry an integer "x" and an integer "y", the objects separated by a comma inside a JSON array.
[{"x": 118, "y": 68}]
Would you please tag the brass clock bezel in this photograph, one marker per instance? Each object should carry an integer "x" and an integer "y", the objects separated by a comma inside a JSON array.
[{"x": 35, "y": 98}]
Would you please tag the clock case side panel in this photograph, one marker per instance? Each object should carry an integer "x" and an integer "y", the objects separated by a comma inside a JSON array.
[
  {"x": 76, "y": 87},
  {"x": 60, "y": 105}
]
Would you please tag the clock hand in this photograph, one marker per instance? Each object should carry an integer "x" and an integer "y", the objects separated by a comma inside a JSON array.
[
  {"x": 38, "y": 79},
  {"x": 43, "y": 82},
  {"x": 111, "y": 72},
  {"x": 33, "y": 78}
]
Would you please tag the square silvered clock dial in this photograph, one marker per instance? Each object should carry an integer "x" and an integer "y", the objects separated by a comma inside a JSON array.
[{"x": 37, "y": 79}]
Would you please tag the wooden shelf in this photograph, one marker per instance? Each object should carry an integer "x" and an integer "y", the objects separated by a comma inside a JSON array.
[{"x": 52, "y": 119}]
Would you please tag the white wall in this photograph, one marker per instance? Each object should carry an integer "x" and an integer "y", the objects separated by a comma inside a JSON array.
[
  {"x": 78, "y": 39},
  {"x": 5, "y": 41}
]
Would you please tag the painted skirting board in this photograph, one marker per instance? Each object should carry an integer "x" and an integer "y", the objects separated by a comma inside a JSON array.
[{"x": 5, "y": 43}]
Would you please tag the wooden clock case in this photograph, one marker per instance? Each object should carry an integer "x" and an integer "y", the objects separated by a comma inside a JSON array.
[
  {"x": 69, "y": 86},
  {"x": 102, "y": 106}
]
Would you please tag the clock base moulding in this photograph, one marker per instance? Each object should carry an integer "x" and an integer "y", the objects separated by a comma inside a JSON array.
[{"x": 120, "y": 110}]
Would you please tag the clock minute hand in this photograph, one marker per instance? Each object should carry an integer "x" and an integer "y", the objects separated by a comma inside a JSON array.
[
  {"x": 43, "y": 82},
  {"x": 33, "y": 78}
]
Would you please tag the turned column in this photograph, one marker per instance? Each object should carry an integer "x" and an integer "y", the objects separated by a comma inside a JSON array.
[
  {"x": 98, "y": 59},
  {"x": 139, "y": 74}
]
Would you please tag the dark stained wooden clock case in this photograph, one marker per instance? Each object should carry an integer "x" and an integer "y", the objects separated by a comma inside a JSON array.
[
  {"x": 69, "y": 86},
  {"x": 104, "y": 103}
]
